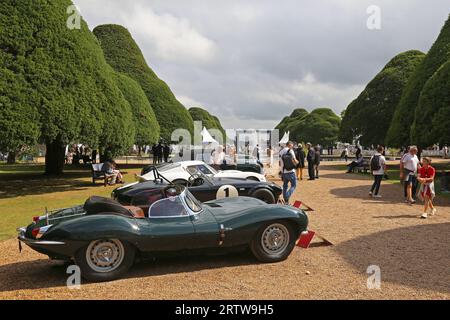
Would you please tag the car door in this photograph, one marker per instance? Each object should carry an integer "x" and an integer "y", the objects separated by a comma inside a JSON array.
[
  {"x": 169, "y": 227},
  {"x": 207, "y": 230}
]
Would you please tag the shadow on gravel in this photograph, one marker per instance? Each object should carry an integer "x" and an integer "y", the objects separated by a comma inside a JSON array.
[
  {"x": 35, "y": 274},
  {"x": 43, "y": 273},
  {"x": 418, "y": 256},
  {"x": 401, "y": 216},
  {"x": 189, "y": 263},
  {"x": 391, "y": 193},
  {"x": 346, "y": 176}
]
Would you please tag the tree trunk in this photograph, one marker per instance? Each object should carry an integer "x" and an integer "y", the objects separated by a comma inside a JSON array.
[
  {"x": 54, "y": 157},
  {"x": 11, "y": 158}
]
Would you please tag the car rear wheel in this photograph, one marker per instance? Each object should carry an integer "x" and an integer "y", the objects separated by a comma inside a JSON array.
[
  {"x": 273, "y": 242},
  {"x": 264, "y": 195},
  {"x": 105, "y": 259}
]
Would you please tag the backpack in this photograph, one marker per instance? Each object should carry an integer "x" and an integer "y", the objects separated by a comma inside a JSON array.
[
  {"x": 375, "y": 163},
  {"x": 288, "y": 161}
]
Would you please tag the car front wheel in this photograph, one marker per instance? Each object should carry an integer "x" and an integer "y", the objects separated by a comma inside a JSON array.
[
  {"x": 105, "y": 259},
  {"x": 273, "y": 242}
]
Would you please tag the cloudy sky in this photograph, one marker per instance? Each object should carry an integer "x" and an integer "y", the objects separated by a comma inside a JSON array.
[{"x": 250, "y": 62}]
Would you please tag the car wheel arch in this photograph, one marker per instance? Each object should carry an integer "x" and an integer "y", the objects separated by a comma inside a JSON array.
[{"x": 255, "y": 189}]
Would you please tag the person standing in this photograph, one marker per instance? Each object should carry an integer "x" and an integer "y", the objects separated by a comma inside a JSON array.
[
  {"x": 410, "y": 164},
  {"x": 445, "y": 151},
  {"x": 154, "y": 152},
  {"x": 300, "y": 156},
  {"x": 427, "y": 193},
  {"x": 378, "y": 168},
  {"x": 270, "y": 157},
  {"x": 256, "y": 152},
  {"x": 288, "y": 163},
  {"x": 217, "y": 157},
  {"x": 166, "y": 152},
  {"x": 317, "y": 159},
  {"x": 358, "y": 151},
  {"x": 344, "y": 153},
  {"x": 159, "y": 153},
  {"x": 310, "y": 157},
  {"x": 402, "y": 180}
]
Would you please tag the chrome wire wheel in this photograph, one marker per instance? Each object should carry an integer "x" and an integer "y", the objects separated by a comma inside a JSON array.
[
  {"x": 275, "y": 239},
  {"x": 105, "y": 255}
]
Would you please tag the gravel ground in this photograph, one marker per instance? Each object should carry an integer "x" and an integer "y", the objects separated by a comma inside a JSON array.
[{"x": 413, "y": 256}]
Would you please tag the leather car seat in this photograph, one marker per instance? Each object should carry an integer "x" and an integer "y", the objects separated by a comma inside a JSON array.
[{"x": 136, "y": 212}]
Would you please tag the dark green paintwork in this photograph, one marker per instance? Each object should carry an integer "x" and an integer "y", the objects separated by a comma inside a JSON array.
[{"x": 241, "y": 217}]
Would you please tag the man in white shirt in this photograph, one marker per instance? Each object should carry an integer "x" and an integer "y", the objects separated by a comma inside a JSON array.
[
  {"x": 218, "y": 156},
  {"x": 408, "y": 171},
  {"x": 378, "y": 167},
  {"x": 288, "y": 164}
]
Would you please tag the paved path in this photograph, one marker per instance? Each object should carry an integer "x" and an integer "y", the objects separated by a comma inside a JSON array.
[{"x": 412, "y": 254}]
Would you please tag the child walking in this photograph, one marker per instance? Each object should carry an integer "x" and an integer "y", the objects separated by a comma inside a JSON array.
[{"x": 427, "y": 193}]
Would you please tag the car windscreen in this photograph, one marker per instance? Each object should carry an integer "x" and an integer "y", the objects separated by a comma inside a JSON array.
[
  {"x": 192, "y": 202},
  {"x": 167, "y": 167},
  {"x": 195, "y": 170},
  {"x": 208, "y": 167},
  {"x": 168, "y": 207}
]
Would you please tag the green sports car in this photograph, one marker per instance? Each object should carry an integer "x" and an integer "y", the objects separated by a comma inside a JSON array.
[{"x": 104, "y": 238}]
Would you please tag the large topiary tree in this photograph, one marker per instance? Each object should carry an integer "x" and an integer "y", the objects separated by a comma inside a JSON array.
[
  {"x": 369, "y": 116},
  {"x": 296, "y": 115},
  {"x": 321, "y": 126},
  {"x": 19, "y": 116},
  {"x": 407, "y": 110},
  {"x": 73, "y": 87},
  {"x": 124, "y": 55},
  {"x": 207, "y": 119},
  {"x": 433, "y": 114},
  {"x": 434, "y": 97},
  {"x": 144, "y": 119}
]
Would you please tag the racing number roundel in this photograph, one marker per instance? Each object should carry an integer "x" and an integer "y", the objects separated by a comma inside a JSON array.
[{"x": 226, "y": 191}]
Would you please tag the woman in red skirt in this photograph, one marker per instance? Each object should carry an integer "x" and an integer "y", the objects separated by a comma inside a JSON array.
[{"x": 426, "y": 179}]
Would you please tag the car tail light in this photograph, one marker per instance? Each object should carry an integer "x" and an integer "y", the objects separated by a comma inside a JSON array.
[
  {"x": 39, "y": 232},
  {"x": 35, "y": 232}
]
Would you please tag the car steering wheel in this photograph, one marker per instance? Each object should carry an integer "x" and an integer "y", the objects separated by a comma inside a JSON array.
[{"x": 196, "y": 180}]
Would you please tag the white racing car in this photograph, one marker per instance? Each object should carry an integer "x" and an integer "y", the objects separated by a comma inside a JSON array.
[{"x": 180, "y": 172}]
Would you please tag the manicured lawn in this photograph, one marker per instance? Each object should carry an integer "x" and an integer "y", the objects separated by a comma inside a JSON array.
[{"x": 25, "y": 192}]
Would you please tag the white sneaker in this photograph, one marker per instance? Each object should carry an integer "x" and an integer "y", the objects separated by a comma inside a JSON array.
[
  {"x": 377, "y": 196},
  {"x": 424, "y": 215},
  {"x": 370, "y": 193},
  {"x": 433, "y": 211}
]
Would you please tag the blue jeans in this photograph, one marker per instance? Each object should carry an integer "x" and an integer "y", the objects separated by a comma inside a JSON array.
[{"x": 289, "y": 177}]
